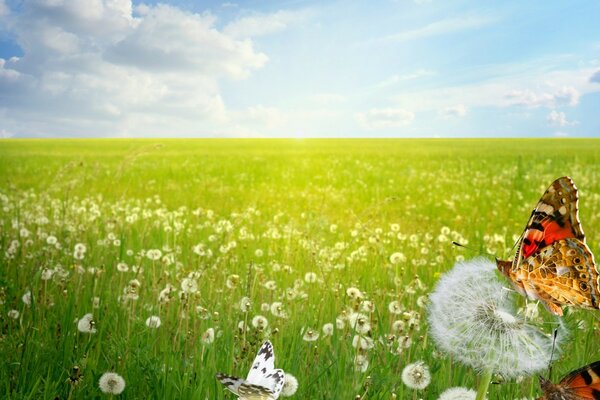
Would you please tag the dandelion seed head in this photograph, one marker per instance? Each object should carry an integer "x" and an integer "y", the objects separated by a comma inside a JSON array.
[
  {"x": 327, "y": 329},
  {"x": 208, "y": 336},
  {"x": 361, "y": 363},
  {"x": 472, "y": 318},
  {"x": 86, "y": 324},
  {"x": 290, "y": 385},
  {"x": 111, "y": 383},
  {"x": 416, "y": 375},
  {"x": 260, "y": 322},
  {"x": 310, "y": 335},
  {"x": 153, "y": 322},
  {"x": 458, "y": 393},
  {"x": 14, "y": 314},
  {"x": 245, "y": 304}
]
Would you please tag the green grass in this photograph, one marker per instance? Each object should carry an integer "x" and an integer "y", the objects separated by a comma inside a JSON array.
[{"x": 307, "y": 206}]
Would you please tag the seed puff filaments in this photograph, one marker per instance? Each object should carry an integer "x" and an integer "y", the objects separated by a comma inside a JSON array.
[{"x": 472, "y": 318}]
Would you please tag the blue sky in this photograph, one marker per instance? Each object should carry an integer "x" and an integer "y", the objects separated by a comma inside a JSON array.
[{"x": 404, "y": 68}]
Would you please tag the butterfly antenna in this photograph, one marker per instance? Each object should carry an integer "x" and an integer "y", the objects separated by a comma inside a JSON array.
[
  {"x": 552, "y": 352},
  {"x": 472, "y": 249}
]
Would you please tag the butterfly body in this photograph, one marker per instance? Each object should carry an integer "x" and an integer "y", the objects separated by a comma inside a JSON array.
[
  {"x": 263, "y": 382},
  {"x": 581, "y": 384},
  {"x": 553, "y": 264}
]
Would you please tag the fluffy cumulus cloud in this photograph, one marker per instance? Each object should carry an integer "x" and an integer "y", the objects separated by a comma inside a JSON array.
[
  {"x": 385, "y": 118},
  {"x": 564, "y": 96},
  {"x": 558, "y": 119},
  {"x": 103, "y": 68}
]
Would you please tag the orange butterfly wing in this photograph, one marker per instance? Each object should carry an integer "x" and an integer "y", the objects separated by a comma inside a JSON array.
[
  {"x": 584, "y": 382},
  {"x": 555, "y": 217},
  {"x": 553, "y": 264}
]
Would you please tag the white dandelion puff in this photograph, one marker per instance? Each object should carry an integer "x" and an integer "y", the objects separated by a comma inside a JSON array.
[
  {"x": 27, "y": 298},
  {"x": 245, "y": 304},
  {"x": 290, "y": 385},
  {"x": 14, "y": 314},
  {"x": 416, "y": 375},
  {"x": 458, "y": 393},
  {"x": 111, "y": 383},
  {"x": 361, "y": 363},
  {"x": 260, "y": 322},
  {"x": 189, "y": 285},
  {"x": 86, "y": 324},
  {"x": 153, "y": 322},
  {"x": 208, "y": 336},
  {"x": 471, "y": 318},
  {"x": 397, "y": 258},
  {"x": 328, "y": 329},
  {"x": 310, "y": 335}
]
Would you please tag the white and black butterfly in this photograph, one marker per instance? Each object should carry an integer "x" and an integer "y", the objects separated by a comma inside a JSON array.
[{"x": 263, "y": 382}]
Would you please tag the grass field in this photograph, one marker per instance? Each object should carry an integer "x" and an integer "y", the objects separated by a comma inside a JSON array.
[{"x": 285, "y": 227}]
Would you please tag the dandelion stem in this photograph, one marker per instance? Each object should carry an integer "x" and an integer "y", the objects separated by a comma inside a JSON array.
[{"x": 484, "y": 383}]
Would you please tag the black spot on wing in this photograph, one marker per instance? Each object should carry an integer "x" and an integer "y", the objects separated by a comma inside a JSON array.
[
  {"x": 596, "y": 394},
  {"x": 587, "y": 378}
]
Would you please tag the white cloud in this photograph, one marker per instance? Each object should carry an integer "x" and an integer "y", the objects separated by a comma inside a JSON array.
[
  {"x": 98, "y": 68},
  {"x": 559, "y": 119},
  {"x": 565, "y": 96},
  {"x": 457, "y": 111},
  {"x": 262, "y": 24},
  {"x": 515, "y": 85},
  {"x": 442, "y": 27},
  {"x": 385, "y": 118}
]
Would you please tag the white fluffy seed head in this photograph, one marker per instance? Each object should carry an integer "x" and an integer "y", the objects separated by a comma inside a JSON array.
[
  {"x": 86, "y": 324},
  {"x": 458, "y": 393},
  {"x": 290, "y": 385},
  {"x": 111, "y": 383},
  {"x": 416, "y": 375},
  {"x": 472, "y": 318}
]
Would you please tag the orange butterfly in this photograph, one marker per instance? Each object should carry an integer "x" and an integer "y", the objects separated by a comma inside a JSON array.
[
  {"x": 581, "y": 384},
  {"x": 553, "y": 264}
]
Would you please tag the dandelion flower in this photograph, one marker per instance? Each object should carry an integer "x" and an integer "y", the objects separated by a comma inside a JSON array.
[
  {"x": 232, "y": 281},
  {"x": 471, "y": 318},
  {"x": 397, "y": 258},
  {"x": 208, "y": 336},
  {"x": 278, "y": 310},
  {"x": 153, "y": 322},
  {"x": 364, "y": 342},
  {"x": 245, "y": 304},
  {"x": 328, "y": 329},
  {"x": 154, "y": 254},
  {"x": 458, "y": 393},
  {"x": 361, "y": 363},
  {"x": 86, "y": 324},
  {"x": 416, "y": 375},
  {"x": 111, "y": 383},
  {"x": 290, "y": 385},
  {"x": 354, "y": 293},
  {"x": 395, "y": 307},
  {"x": 260, "y": 322},
  {"x": 14, "y": 314},
  {"x": 189, "y": 285},
  {"x": 27, "y": 298},
  {"x": 310, "y": 277},
  {"x": 310, "y": 335}
]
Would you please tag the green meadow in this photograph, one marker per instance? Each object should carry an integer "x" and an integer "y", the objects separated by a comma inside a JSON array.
[{"x": 231, "y": 242}]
